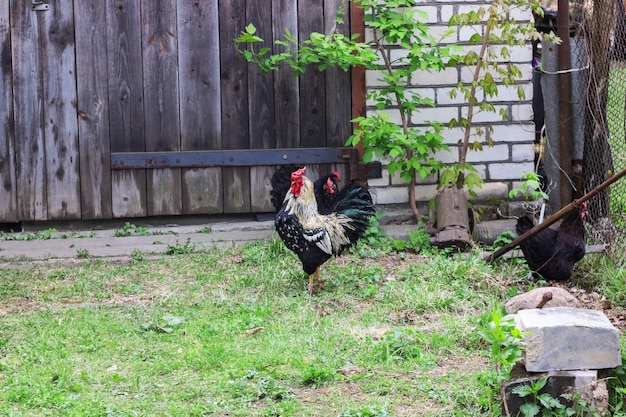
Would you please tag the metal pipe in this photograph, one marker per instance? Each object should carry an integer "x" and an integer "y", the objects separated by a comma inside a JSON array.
[
  {"x": 555, "y": 217},
  {"x": 565, "y": 102}
]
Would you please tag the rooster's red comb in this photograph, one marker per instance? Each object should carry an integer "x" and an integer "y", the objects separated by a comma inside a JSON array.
[
  {"x": 336, "y": 174},
  {"x": 297, "y": 174}
]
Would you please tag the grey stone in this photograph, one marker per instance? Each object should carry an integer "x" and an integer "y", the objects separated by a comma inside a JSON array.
[
  {"x": 560, "y": 298},
  {"x": 564, "y": 338},
  {"x": 585, "y": 383}
]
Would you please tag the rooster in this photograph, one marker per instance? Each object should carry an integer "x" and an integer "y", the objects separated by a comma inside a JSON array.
[
  {"x": 315, "y": 237},
  {"x": 552, "y": 253},
  {"x": 325, "y": 188}
]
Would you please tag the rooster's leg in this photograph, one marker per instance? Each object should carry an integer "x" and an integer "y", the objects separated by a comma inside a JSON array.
[
  {"x": 320, "y": 284},
  {"x": 311, "y": 279}
]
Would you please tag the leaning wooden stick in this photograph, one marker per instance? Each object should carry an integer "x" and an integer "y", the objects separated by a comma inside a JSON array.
[{"x": 555, "y": 217}]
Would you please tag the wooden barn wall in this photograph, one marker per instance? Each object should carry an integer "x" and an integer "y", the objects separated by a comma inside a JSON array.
[{"x": 89, "y": 78}]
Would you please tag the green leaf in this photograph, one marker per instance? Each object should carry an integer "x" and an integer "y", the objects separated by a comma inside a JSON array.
[
  {"x": 250, "y": 29},
  {"x": 529, "y": 410}
]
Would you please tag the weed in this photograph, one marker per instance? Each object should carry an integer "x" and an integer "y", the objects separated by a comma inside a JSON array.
[
  {"x": 318, "y": 376},
  {"x": 205, "y": 229},
  {"x": 403, "y": 344},
  {"x": 531, "y": 188},
  {"x": 130, "y": 229},
  {"x": 181, "y": 249},
  {"x": 167, "y": 325},
  {"x": 82, "y": 253},
  {"x": 254, "y": 387},
  {"x": 419, "y": 242},
  {"x": 503, "y": 238},
  {"x": 548, "y": 406},
  {"x": 366, "y": 411},
  {"x": 39, "y": 235},
  {"x": 504, "y": 340},
  {"x": 137, "y": 256}
]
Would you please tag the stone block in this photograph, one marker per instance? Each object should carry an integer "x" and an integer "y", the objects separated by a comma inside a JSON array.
[
  {"x": 566, "y": 338},
  {"x": 584, "y": 383}
]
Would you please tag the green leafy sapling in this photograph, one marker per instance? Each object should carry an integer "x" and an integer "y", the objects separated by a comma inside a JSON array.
[
  {"x": 496, "y": 33},
  {"x": 531, "y": 188},
  {"x": 408, "y": 150}
]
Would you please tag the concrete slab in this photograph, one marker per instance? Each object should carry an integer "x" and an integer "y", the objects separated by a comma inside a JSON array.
[
  {"x": 103, "y": 243},
  {"x": 566, "y": 338}
]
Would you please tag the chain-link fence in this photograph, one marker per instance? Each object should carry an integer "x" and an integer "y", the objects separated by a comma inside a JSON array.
[
  {"x": 602, "y": 24},
  {"x": 598, "y": 73}
]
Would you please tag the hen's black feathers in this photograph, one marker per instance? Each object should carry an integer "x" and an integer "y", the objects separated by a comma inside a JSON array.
[
  {"x": 552, "y": 253},
  {"x": 281, "y": 181}
]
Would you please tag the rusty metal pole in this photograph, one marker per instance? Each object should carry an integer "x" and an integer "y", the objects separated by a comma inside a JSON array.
[{"x": 565, "y": 103}]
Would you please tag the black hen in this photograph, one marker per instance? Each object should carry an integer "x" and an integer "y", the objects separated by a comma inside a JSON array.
[
  {"x": 325, "y": 188},
  {"x": 552, "y": 253},
  {"x": 315, "y": 237}
]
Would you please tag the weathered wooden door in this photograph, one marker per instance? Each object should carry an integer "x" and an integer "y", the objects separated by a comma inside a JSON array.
[{"x": 145, "y": 108}]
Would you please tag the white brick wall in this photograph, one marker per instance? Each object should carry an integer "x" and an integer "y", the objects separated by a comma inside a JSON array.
[{"x": 500, "y": 165}]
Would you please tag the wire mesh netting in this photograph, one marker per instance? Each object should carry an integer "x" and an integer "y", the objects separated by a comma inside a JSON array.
[
  {"x": 602, "y": 24},
  {"x": 598, "y": 71}
]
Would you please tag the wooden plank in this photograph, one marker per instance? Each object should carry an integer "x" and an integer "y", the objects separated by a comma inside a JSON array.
[
  {"x": 28, "y": 115},
  {"x": 338, "y": 90},
  {"x": 161, "y": 101},
  {"x": 234, "y": 102},
  {"x": 286, "y": 87},
  {"x": 200, "y": 119},
  {"x": 233, "y": 158},
  {"x": 93, "y": 109},
  {"x": 261, "y": 109},
  {"x": 126, "y": 115},
  {"x": 61, "y": 123},
  {"x": 338, "y": 103},
  {"x": 8, "y": 185},
  {"x": 312, "y": 82}
]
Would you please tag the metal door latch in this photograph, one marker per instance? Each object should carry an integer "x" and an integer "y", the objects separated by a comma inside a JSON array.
[{"x": 40, "y": 6}]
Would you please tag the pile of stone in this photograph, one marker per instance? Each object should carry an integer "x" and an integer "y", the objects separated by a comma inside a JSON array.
[{"x": 574, "y": 347}]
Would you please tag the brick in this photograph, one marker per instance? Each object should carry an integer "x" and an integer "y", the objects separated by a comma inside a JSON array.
[
  {"x": 509, "y": 171},
  {"x": 443, "y": 96},
  {"x": 485, "y": 116},
  {"x": 448, "y": 76},
  {"x": 372, "y": 78},
  {"x": 522, "y": 112},
  {"x": 379, "y": 182},
  {"x": 425, "y": 192},
  {"x": 523, "y": 153},
  {"x": 568, "y": 339},
  {"x": 444, "y": 34},
  {"x": 513, "y": 133},
  {"x": 469, "y": 8},
  {"x": 448, "y": 157},
  {"x": 446, "y": 12},
  {"x": 394, "y": 114},
  {"x": 396, "y": 54},
  {"x": 452, "y": 136},
  {"x": 466, "y": 32},
  {"x": 431, "y": 14},
  {"x": 390, "y": 195},
  {"x": 489, "y": 154},
  {"x": 520, "y": 15},
  {"x": 491, "y": 190},
  {"x": 440, "y": 114}
]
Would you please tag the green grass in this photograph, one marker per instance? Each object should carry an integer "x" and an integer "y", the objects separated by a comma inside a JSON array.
[{"x": 231, "y": 332}]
